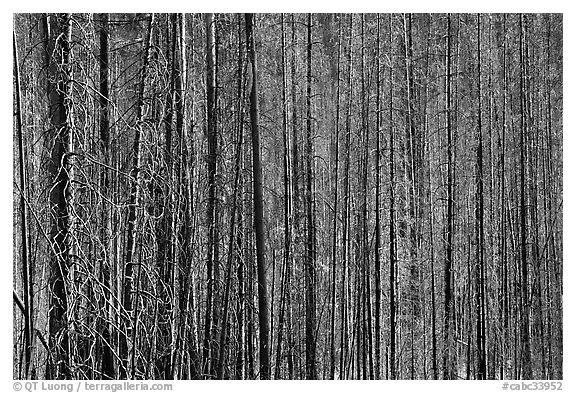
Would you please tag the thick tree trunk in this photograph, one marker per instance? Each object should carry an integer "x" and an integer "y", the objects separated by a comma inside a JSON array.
[
  {"x": 263, "y": 313},
  {"x": 211, "y": 208},
  {"x": 62, "y": 192},
  {"x": 108, "y": 360}
]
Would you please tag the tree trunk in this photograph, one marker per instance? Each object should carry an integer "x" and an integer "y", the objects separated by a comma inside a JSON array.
[
  {"x": 503, "y": 243},
  {"x": 108, "y": 361},
  {"x": 263, "y": 313},
  {"x": 524, "y": 300},
  {"x": 27, "y": 274},
  {"x": 392, "y": 246},
  {"x": 449, "y": 327},
  {"x": 378, "y": 241},
  {"x": 480, "y": 302},
  {"x": 413, "y": 186},
  {"x": 335, "y": 220},
  {"x": 211, "y": 208},
  {"x": 232, "y": 237},
  {"x": 288, "y": 211},
  {"x": 62, "y": 192},
  {"x": 344, "y": 339},
  {"x": 127, "y": 367},
  {"x": 310, "y": 266}
]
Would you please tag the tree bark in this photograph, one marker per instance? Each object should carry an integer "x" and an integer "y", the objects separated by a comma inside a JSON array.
[
  {"x": 27, "y": 274},
  {"x": 310, "y": 266},
  {"x": 127, "y": 368},
  {"x": 62, "y": 192},
  {"x": 449, "y": 328},
  {"x": 263, "y": 313},
  {"x": 233, "y": 229},
  {"x": 480, "y": 301},
  {"x": 392, "y": 234},
  {"x": 211, "y": 208},
  {"x": 378, "y": 240},
  {"x": 344, "y": 339},
  {"x": 288, "y": 211},
  {"x": 108, "y": 361},
  {"x": 524, "y": 300}
]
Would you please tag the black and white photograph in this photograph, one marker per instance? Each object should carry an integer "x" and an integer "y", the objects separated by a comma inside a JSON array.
[{"x": 288, "y": 196}]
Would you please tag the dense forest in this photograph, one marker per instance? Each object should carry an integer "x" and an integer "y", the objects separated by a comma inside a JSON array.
[{"x": 287, "y": 196}]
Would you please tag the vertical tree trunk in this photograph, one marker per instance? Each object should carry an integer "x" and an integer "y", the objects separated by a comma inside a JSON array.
[
  {"x": 127, "y": 369},
  {"x": 288, "y": 222},
  {"x": 412, "y": 162},
  {"x": 335, "y": 220},
  {"x": 108, "y": 366},
  {"x": 534, "y": 114},
  {"x": 27, "y": 274},
  {"x": 480, "y": 309},
  {"x": 392, "y": 246},
  {"x": 62, "y": 192},
  {"x": 186, "y": 325},
  {"x": 189, "y": 296},
  {"x": 366, "y": 275},
  {"x": 170, "y": 313},
  {"x": 503, "y": 243},
  {"x": 548, "y": 262},
  {"x": 526, "y": 361},
  {"x": 211, "y": 208},
  {"x": 449, "y": 327},
  {"x": 250, "y": 279},
  {"x": 240, "y": 309},
  {"x": 432, "y": 272},
  {"x": 344, "y": 339},
  {"x": 232, "y": 237},
  {"x": 310, "y": 267},
  {"x": 431, "y": 219},
  {"x": 263, "y": 313},
  {"x": 295, "y": 191},
  {"x": 378, "y": 241},
  {"x": 239, "y": 366}
]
